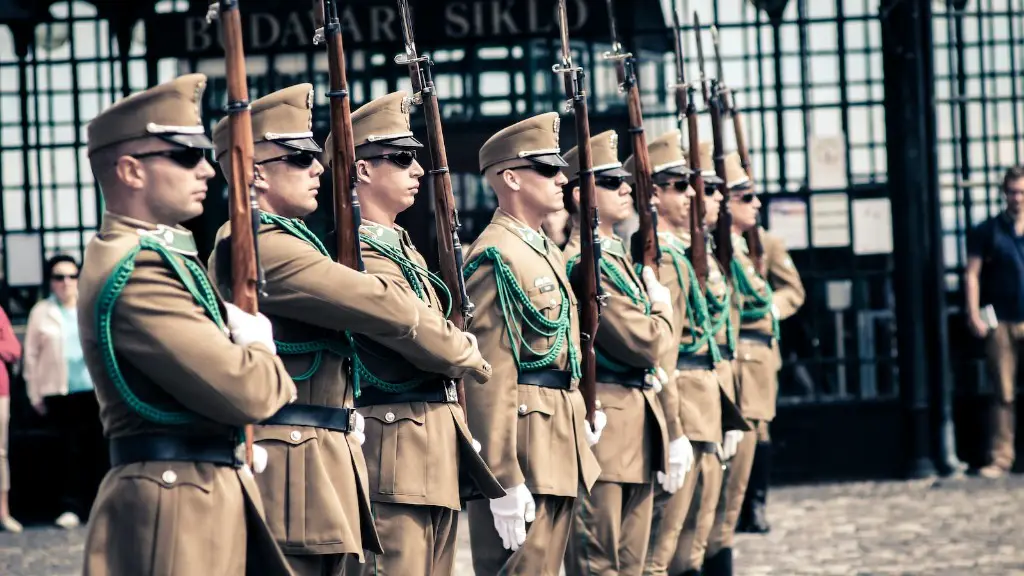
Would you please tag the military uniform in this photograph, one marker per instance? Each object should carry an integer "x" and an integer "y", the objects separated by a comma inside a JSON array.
[
  {"x": 758, "y": 360},
  {"x": 174, "y": 391},
  {"x": 315, "y": 485},
  {"x": 697, "y": 364},
  {"x": 417, "y": 442},
  {"x": 612, "y": 524},
  {"x": 530, "y": 417}
]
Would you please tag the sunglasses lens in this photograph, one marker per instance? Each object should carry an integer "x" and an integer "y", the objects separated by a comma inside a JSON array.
[
  {"x": 610, "y": 183},
  {"x": 680, "y": 185},
  {"x": 402, "y": 159},
  {"x": 749, "y": 197},
  {"x": 546, "y": 170},
  {"x": 187, "y": 157},
  {"x": 301, "y": 159}
]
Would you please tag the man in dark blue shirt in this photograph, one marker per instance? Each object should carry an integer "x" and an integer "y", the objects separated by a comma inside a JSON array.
[{"x": 994, "y": 287}]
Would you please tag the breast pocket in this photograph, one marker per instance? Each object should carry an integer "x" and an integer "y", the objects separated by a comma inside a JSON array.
[
  {"x": 399, "y": 435},
  {"x": 548, "y": 301},
  {"x": 283, "y": 485},
  {"x": 534, "y": 435}
]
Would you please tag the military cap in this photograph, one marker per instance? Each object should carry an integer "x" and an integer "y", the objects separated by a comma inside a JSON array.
[
  {"x": 284, "y": 117},
  {"x": 668, "y": 161},
  {"x": 736, "y": 177},
  {"x": 527, "y": 142},
  {"x": 379, "y": 124},
  {"x": 604, "y": 155},
  {"x": 170, "y": 111},
  {"x": 707, "y": 164}
]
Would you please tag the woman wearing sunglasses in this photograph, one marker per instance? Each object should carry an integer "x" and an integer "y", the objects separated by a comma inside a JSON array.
[
  {"x": 59, "y": 386},
  {"x": 611, "y": 525}
]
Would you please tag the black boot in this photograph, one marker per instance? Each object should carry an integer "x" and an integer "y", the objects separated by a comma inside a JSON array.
[
  {"x": 718, "y": 565},
  {"x": 754, "y": 516}
]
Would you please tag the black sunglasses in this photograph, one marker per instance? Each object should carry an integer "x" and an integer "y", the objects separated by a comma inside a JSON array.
[
  {"x": 402, "y": 159},
  {"x": 303, "y": 159},
  {"x": 545, "y": 170},
  {"x": 746, "y": 197},
  {"x": 63, "y": 277},
  {"x": 610, "y": 182},
  {"x": 184, "y": 157},
  {"x": 677, "y": 185}
]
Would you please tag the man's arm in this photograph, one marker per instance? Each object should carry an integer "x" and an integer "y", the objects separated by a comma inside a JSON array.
[
  {"x": 972, "y": 295},
  {"x": 787, "y": 287}
]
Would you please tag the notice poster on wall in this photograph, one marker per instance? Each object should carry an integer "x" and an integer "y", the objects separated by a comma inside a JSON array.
[
  {"x": 830, "y": 220},
  {"x": 24, "y": 259},
  {"x": 872, "y": 226},
  {"x": 787, "y": 219}
]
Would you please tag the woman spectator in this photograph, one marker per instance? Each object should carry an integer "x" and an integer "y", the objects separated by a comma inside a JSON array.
[
  {"x": 10, "y": 353},
  {"x": 60, "y": 388}
]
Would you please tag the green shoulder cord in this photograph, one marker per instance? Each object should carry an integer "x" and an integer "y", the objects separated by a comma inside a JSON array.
[
  {"x": 411, "y": 271},
  {"x": 193, "y": 277},
  {"x": 517, "y": 310},
  {"x": 343, "y": 348},
  {"x": 755, "y": 306},
  {"x": 698, "y": 311},
  {"x": 722, "y": 318}
]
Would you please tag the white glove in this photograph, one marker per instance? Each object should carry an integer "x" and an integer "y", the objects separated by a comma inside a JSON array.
[
  {"x": 655, "y": 290},
  {"x": 512, "y": 513},
  {"x": 248, "y": 329},
  {"x": 357, "y": 432},
  {"x": 476, "y": 446},
  {"x": 775, "y": 311},
  {"x": 658, "y": 380},
  {"x": 259, "y": 458},
  {"x": 680, "y": 461},
  {"x": 594, "y": 432},
  {"x": 731, "y": 443}
]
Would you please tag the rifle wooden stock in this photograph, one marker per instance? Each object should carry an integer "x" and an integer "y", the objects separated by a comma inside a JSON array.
[
  {"x": 343, "y": 154},
  {"x": 723, "y": 228},
  {"x": 752, "y": 236},
  {"x": 446, "y": 214},
  {"x": 698, "y": 246},
  {"x": 242, "y": 205},
  {"x": 644, "y": 187},
  {"x": 587, "y": 286}
]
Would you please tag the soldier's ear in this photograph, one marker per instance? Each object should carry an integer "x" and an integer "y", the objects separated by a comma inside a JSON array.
[
  {"x": 511, "y": 179},
  {"x": 130, "y": 171},
  {"x": 576, "y": 195},
  {"x": 363, "y": 168},
  {"x": 259, "y": 180}
]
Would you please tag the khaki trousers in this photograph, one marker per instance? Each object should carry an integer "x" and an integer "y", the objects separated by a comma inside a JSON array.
[
  {"x": 667, "y": 524},
  {"x": 1002, "y": 348},
  {"x": 417, "y": 541},
  {"x": 734, "y": 487},
  {"x": 318, "y": 564},
  {"x": 700, "y": 518},
  {"x": 610, "y": 530},
  {"x": 542, "y": 552}
]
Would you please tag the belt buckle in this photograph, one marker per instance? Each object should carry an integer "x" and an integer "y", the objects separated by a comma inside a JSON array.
[
  {"x": 451, "y": 394},
  {"x": 351, "y": 420}
]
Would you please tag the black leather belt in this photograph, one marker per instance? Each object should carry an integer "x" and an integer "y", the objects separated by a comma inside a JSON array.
[
  {"x": 633, "y": 378},
  {"x": 723, "y": 350},
  {"x": 695, "y": 362},
  {"x": 338, "y": 419},
  {"x": 557, "y": 379},
  {"x": 758, "y": 337},
  {"x": 701, "y": 447},
  {"x": 160, "y": 447},
  {"x": 438, "y": 391}
]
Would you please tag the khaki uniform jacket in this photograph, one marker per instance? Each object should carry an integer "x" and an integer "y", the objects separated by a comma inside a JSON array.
[
  {"x": 630, "y": 337},
  {"x": 759, "y": 364},
  {"x": 528, "y": 433},
  {"x": 705, "y": 404},
  {"x": 177, "y": 518},
  {"x": 415, "y": 451},
  {"x": 315, "y": 485}
]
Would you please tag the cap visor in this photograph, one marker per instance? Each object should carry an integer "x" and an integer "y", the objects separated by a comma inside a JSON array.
[
  {"x": 615, "y": 172},
  {"x": 404, "y": 142},
  {"x": 713, "y": 180},
  {"x": 742, "y": 186},
  {"x": 305, "y": 144},
  {"x": 673, "y": 173},
  {"x": 188, "y": 140},
  {"x": 549, "y": 159}
]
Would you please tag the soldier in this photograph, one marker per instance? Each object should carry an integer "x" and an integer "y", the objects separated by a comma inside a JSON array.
[
  {"x": 612, "y": 524},
  {"x": 530, "y": 417},
  {"x": 315, "y": 485},
  {"x": 177, "y": 371},
  {"x": 757, "y": 354},
  {"x": 417, "y": 439}
]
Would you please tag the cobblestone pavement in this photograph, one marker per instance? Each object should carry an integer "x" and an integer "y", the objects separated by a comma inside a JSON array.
[{"x": 946, "y": 527}]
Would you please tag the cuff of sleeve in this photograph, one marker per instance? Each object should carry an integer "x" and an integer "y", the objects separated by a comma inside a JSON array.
[{"x": 674, "y": 428}]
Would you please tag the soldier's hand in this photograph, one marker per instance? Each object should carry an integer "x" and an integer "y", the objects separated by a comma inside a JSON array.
[
  {"x": 594, "y": 432},
  {"x": 359, "y": 431},
  {"x": 658, "y": 380},
  {"x": 680, "y": 461},
  {"x": 656, "y": 291},
  {"x": 512, "y": 512},
  {"x": 731, "y": 443},
  {"x": 978, "y": 326},
  {"x": 259, "y": 458},
  {"x": 248, "y": 329}
]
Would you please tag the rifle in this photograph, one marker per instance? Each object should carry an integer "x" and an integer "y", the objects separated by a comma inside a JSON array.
[
  {"x": 446, "y": 214},
  {"x": 646, "y": 251},
  {"x": 716, "y": 107},
  {"x": 729, "y": 107},
  {"x": 589, "y": 282},
  {"x": 686, "y": 115},
  {"x": 346, "y": 203},
  {"x": 247, "y": 280}
]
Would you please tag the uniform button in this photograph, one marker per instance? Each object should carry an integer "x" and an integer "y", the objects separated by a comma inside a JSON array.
[
  {"x": 389, "y": 417},
  {"x": 169, "y": 237},
  {"x": 295, "y": 435},
  {"x": 522, "y": 408},
  {"x": 553, "y": 301},
  {"x": 169, "y": 477},
  {"x": 746, "y": 356}
]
